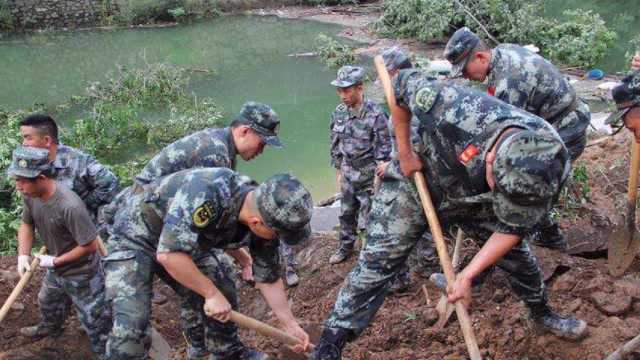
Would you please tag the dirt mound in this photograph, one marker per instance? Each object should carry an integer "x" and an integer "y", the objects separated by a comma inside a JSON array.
[{"x": 578, "y": 284}]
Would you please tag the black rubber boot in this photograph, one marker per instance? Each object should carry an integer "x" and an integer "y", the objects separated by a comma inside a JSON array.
[
  {"x": 331, "y": 343},
  {"x": 565, "y": 327},
  {"x": 549, "y": 237}
]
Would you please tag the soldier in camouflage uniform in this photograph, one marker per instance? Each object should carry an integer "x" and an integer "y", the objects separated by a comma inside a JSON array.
[
  {"x": 492, "y": 169},
  {"x": 168, "y": 230},
  {"x": 423, "y": 258},
  {"x": 526, "y": 80},
  {"x": 93, "y": 182},
  {"x": 64, "y": 225},
  {"x": 360, "y": 142},
  {"x": 627, "y": 98},
  {"x": 255, "y": 126}
]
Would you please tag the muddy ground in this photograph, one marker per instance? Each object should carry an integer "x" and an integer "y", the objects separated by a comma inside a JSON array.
[{"x": 578, "y": 284}]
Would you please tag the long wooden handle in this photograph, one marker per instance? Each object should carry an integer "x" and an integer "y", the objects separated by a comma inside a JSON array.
[
  {"x": 20, "y": 286},
  {"x": 432, "y": 218},
  {"x": 457, "y": 249},
  {"x": 445, "y": 262},
  {"x": 101, "y": 248},
  {"x": 632, "y": 191},
  {"x": 264, "y": 329}
]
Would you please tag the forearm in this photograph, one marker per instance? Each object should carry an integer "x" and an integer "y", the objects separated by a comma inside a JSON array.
[
  {"x": 76, "y": 253},
  {"x": 25, "y": 239},
  {"x": 401, "y": 120},
  {"x": 182, "y": 268},
  {"x": 492, "y": 251},
  {"x": 276, "y": 297},
  {"x": 241, "y": 256}
]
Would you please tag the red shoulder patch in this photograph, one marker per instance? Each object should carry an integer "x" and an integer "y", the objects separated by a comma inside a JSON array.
[
  {"x": 491, "y": 90},
  {"x": 468, "y": 154}
]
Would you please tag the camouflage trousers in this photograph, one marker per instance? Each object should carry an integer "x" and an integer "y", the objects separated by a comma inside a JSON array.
[
  {"x": 573, "y": 129},
  {"x": 86, "y": 293},
  {"x": 396, "y": 222},
  {"x": 356, "y": 189},
  {"x": 129, "y": 281},
  {"x": 288, "y": 256}
]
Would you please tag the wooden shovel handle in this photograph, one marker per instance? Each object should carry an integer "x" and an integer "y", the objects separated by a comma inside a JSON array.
[
  {"x": 632, "y": 191},
  {"x": 20, "y": 286},
  {"x": 264, "y": 329}
]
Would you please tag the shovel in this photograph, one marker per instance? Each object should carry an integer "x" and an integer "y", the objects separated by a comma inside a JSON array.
[
  {"x": 444, "y": 308},
  {"x": 624, "y": 243},
  {"x": 20, "y": 286},
  {"x": 432, "y": 219},
  {"x": 264, "y": 329}
]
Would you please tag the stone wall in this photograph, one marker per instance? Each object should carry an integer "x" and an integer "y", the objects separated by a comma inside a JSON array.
[{"x": 42, "y": 14}]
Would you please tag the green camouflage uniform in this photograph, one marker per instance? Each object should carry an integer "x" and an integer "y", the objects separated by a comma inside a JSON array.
[
  {"x": 457, "y": 127},
  {"x": 359, "y": 141},
  {"x": 193, "y": 211}
]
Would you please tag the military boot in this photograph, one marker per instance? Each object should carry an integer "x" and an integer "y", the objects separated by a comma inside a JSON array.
[
  {"x": 341, "y": 255},
  {"x": 291, "y": 276},
  {"x": 565, "y": 327},
  {"x": 549, "y": 237},
  {"x": 39, "y": 332},
  {"x": 331, "y": 343}
]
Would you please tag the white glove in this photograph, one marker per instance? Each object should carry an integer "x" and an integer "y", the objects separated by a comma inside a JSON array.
[
  {"x": 23, "y": 264},
  {"x": 46, "y": 261}
]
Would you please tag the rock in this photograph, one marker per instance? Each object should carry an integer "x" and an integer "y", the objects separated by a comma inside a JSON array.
[
  {"x": 430, "y": 316},
  {"x": 519, "y": 334},
  {"x": 597, "y": 284},
  {"x": 9, "y": 276},
  {"x": 617, "y": 303},
  {"x": 574, "y": 306},
  {"x": 17, "y": 306},
  {"x": 629, "y": 287},
  {"x": 564, "y": 283}
]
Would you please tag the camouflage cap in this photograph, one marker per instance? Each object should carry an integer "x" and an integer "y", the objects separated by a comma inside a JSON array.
[
  {"x": 286, "y": 206},
  {"x": 29, "y": 162},
  {"x": 395, "y": 59},
  {"x": 626, "y": 96},
  {"x": 458, "y": 49},
  {"x": 529, "y": 171},
  {"x": 349, "y": 76},
  {"x": 261, "y": 118}
]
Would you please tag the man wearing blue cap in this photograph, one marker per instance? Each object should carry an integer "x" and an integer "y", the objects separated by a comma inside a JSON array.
[
  {"x": 526, "y": 80},
  {"x": 360, "y": 143},
  {"x": 627, "y": 98}
]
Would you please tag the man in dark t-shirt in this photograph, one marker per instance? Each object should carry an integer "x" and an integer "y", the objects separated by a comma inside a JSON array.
[{"x": 65, "y": 226}]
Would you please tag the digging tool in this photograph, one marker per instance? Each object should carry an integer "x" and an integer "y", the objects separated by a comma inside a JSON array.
[
  {"x": 625, "y": 349},
  {"x": 24, "y": 279},
  {"x": 624, "y": 243},
  {"x": 444, "y": 308},
  {"x": 160, "y": 348},
  {"x": 432, "y": 219},
  {"x": 264, "y": 329}
]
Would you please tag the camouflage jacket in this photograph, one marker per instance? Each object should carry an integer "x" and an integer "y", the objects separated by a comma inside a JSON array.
[
  {"x": 457, "y": 126},
  {"x": 528, "y": 81},
  {"x": 205, "y": 148},
  {"x": 93, "y": 182},
  {"x": 359, "y": 138},
  {"x": 193, "y": 211}
]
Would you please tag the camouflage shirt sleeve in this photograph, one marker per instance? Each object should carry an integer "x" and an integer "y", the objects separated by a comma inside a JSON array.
[
  {"x": 178, "y": 232},
  {"x": 266, "y": 259},
  {"x": 512, "y": 91},
  {"x": 381, "y": 138},
  {"x": 336, "y": 155},
  {"x": 103, "y": 182}
]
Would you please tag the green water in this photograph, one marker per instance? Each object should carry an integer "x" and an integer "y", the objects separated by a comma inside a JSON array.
[
  {"x": 249, "y": 55},
  {"x": 623, "y": 16}
]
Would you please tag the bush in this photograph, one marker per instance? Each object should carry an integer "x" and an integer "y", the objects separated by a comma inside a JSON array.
[
  {"x": 112, "y": 127},
  {"x": 579, "y": 40},
  {"x": 334, "y": 53},
  {"x": 6, "y": 19}
]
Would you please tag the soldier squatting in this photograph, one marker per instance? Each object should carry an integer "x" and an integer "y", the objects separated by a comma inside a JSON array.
[{"x": 496, "y": 163}]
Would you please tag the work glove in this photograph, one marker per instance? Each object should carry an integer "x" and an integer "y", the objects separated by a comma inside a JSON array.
[
  {"x": 23, "y": 264},
  {"x": 46, "y": 261}
]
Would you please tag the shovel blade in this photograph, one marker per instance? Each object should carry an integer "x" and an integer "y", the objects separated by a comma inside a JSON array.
[
  {"x": 160, "y": 348},
  {"x": 314, "y": 331},
  {"x": 624, "y": 244}
]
